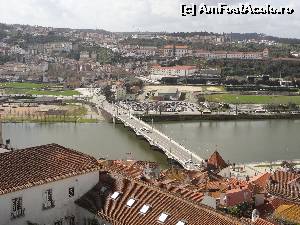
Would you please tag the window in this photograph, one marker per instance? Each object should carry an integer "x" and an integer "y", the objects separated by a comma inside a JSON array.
[
  {"x": 163, "y": 217},
  {"x": 181, "y": 223},
  {"x": 115, "y": 195},
  {"x": 145, "y": 209},
  {"x": 17, "y": 209},
  {"x": 71, "y": 192},
  {"x": 48, "y": 199},
  {"x": 58, "y": 222},
  {"x": 130, "y": 202},
  {"x": 71, "y": 220}
]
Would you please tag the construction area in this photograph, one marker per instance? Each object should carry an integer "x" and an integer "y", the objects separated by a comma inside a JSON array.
[{"x": 46, "y": 109}]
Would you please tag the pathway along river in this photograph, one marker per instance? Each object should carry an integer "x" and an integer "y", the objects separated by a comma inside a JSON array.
[{"x": 237, "y": 141}]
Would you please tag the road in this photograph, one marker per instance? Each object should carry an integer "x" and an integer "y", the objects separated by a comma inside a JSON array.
[{"x": 171, "y": 148}]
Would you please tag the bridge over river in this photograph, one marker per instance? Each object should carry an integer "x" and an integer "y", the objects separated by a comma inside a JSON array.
[{"x": 172, "y": 149}]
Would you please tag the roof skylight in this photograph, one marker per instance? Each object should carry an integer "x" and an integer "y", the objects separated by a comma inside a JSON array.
[
  {"x": 145, "y": 209},
  {"x": 115, "y": 195},
  {"x": 181, "y": 223},
  {"x": 163, "y": 217},
  {"x": 130, "y": 202}
]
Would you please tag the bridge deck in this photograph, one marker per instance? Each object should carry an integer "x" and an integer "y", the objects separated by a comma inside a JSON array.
[{"x": 171, "y": 148}]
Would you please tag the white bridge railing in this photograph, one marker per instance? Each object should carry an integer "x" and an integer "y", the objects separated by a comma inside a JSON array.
[{"x": 183, "y": 154}]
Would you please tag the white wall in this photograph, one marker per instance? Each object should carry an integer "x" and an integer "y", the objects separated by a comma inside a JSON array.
[
  {"x": 259, "y": 199},
  {"x": 33, "y": 200},
  {"x": 209, "y": 201},
  {"x": 158, "y": 73},
  {"x": 225, "y": 172}
]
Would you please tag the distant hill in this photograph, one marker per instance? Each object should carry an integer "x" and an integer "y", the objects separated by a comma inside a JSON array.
[{"x": 257, "y": 36}]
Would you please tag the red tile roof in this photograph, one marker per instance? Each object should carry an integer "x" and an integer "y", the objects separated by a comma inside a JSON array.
[
  {"x": 261, "y": 221},
  {"x": 260, "y": 182},
  {"x": 131, "y": 168},
  {"x": 217, "y": 161},
  {"x": 275, "y": 202},
  {"x": 280, "y": 185},
  {"x": 24, "y": 168},
  {"x": 169, "y": 46},
  {"x": 181, "y": 46},
  {"x": 117, "y": 212}
]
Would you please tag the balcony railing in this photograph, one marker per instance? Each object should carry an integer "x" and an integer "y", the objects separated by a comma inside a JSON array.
[
  {"x": 48, "y": 204},
  {"x": 18, "y": 213}
]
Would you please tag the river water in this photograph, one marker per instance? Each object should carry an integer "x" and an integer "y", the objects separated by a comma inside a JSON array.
[{"x": 237, "y": 141}]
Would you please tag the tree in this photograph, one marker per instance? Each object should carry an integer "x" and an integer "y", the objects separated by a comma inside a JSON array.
[
  {"x": 106, "y": 91},
  {"x": 289, "y": 165}
]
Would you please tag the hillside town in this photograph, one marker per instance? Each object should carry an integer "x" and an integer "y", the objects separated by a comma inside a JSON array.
[{"x": 120, "y": 128}]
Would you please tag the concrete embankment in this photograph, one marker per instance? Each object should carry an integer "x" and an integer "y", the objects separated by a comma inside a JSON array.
[{"x": 161, "y": 118}]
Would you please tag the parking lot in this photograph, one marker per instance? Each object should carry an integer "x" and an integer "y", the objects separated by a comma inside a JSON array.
[{"x": 166, "y": 107}]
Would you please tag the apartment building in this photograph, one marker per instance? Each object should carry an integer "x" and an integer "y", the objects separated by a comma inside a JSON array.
[
  {"x": 157, "y": 72},
  {"x": 147, "y": 51},
  {"x": 230, "y": 55},
  {"x": 176, "y": 51}
]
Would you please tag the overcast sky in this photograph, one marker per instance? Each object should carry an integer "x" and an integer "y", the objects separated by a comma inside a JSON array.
[{"x": 147, "y": 15}]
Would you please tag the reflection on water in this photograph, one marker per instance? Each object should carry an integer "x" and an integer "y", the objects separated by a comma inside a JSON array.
[
  {"x": 238, "y": 141},
  {"x": 100, "y": 140}
]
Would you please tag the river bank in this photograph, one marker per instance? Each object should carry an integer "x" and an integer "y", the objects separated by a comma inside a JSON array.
[{"x": 218, "y": 117}]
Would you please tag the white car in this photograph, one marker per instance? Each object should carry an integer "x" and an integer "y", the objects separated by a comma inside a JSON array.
[{"x": 188, "y": 161}]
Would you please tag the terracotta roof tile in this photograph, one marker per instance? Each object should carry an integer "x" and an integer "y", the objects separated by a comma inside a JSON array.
[
  {"x": 261, "y": 221},
  {"x": 28, "y": 167},
  {"x": 117, "y": 212},
  {"x": 217, "y": 161},
  {"x": 282, "y": 184}
]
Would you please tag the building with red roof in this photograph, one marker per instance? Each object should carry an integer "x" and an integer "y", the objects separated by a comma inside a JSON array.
[
  {"x": 216, "y": 161},
  {"x": 38, "y": 185}
]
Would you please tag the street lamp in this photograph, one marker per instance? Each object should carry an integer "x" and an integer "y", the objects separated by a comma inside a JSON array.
[
  {"x": 152, "y": 124},
  {"x": 236, "y": 105}
]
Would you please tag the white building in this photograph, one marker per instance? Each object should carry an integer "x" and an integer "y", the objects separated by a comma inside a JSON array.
[
  {"x": 39, "y": 185},
  {"x": 217, "y": 55},
  {"x": 176, "y": 50},
  {"x": 147, "y": 51},
  {"x": 181, "y": 51},
  {"x": 158, "y": 72},
  {"x": 231, "y": 55},
  {"x": 120, "y": 93},
  {"x": 84, "y": 55}
]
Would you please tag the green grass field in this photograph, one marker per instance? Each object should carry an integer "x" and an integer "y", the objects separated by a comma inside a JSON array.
[
  {"x": 42, "y": 92},
  {"x": 36, "y": 89},
  {"x": 253, "y": 99},
  {"x": 26, "y": 85},
  {"x": 53, "y": 93}
]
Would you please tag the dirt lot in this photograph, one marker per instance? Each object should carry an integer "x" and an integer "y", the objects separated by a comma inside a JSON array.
[{"x": 32, "y": 112}]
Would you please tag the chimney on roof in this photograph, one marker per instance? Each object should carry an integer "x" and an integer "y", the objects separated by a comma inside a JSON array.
[
  {"x": 7, "y": 143},
  {"x": 255, "y": 215}
]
